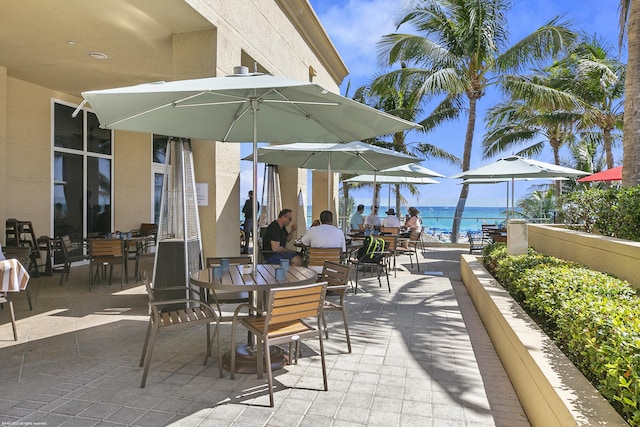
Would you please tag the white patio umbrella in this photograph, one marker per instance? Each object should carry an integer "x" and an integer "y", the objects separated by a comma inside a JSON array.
[
  {"x": 514, "y": 168},
  {"x": 413, "y": 170},
  {"x": 243, "y": 107},
  {"x": 355, "y": 157}
]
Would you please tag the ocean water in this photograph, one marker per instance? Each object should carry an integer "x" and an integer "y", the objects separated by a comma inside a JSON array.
[{"x": 439, "y": 219}]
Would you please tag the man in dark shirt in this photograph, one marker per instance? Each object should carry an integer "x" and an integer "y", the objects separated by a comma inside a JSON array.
[
  {"x": 275, "y": 240},
  {"x": 247, "y": 210}
]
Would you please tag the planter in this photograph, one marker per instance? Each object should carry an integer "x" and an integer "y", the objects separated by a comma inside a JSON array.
[
  {"x": 551, "y": 389},
  {"x": 607, "y": 254}
]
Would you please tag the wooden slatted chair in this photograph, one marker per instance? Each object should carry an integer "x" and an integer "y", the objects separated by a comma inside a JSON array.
[
  {"x": 315, "y": 257},
  {"x": 391, "y": 242},
  {"x": 105, "y": 252},
  {"x": 284, "y": 320},
  {"x": 336, "y": 275},
  {"x": 70, "y": 253},
  {"x": 410, "y": 247},
  {"x": 194, "y": 313},
  {"x": 390, "y": 230}
]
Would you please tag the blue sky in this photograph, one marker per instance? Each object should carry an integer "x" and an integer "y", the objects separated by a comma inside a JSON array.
[{"x": 355, "y": 27}]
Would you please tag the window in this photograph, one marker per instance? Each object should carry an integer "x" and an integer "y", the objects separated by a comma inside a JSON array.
[
  {"x": 160, "y": 145},
  {"x": 82, "y": 171}
]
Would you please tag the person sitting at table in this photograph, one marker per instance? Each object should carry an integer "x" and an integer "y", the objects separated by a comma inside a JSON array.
[
  {"x": 372, "y": 220},
  {"x": 391, "y": 220},
  {"x": 2, "y": 257},
  {"x": 325, "y": 235},
  {"x": 275, "y": 240},
  {"x": 356, "y": 223},
  {"x": 413, "y": 223}
]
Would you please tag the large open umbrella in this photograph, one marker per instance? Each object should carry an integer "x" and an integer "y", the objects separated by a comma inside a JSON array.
[
  {"x": 355, "y": 157},
  {"x": 413, "y": 170},
  {"x": 516, "y": 167},
  {"x": 243, "y": 107},
  {"x": 613, "y": 174}
]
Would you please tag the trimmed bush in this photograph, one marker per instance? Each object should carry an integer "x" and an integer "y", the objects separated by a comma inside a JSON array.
[{"x": 593, "y": 317}]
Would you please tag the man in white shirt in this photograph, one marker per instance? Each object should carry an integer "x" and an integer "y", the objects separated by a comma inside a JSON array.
[
  {"x": 391, "y": 219},
  {"x": 325, "y": 235},
  {"x": 372, "y": 220}
]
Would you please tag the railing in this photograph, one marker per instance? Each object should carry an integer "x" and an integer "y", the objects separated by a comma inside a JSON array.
[{"x": 440, "y": 226}]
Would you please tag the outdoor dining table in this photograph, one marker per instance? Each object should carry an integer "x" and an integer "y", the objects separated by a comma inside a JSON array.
[{"x": 257, "y": 283}]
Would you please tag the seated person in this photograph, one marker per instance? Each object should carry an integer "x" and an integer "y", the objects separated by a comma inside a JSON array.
[
  {"x": 357, "y": 220},
  {"x": 325, "y": 235},
  {"x": 372, "y": 220},
  {"x": 2, "y": 257},
  {"x": 391, "y": 219},
  {"x": 275, "y": 240}
]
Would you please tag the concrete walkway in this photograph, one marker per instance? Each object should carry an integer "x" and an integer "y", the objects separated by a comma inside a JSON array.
[{"x": 421, "y": 357}]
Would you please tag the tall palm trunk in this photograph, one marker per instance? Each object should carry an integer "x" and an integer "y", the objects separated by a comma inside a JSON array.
[
  {"x": 631, "y": 130},
  {"x": 466, "y": 162}
]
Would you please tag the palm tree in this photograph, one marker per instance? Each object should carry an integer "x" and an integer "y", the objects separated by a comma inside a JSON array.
[
  {"x": 600, "y": 81},
  {"x": 539, "y": 204},
  {"x": 458, "y": 52},
  {"x": 630, "y": 23},
  {"x": 401, "y": 100}
]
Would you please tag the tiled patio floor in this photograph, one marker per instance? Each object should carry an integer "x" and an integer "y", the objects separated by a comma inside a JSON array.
[{"x": 421, "y": 357}]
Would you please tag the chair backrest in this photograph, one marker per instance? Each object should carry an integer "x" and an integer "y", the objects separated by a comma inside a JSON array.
[
  {"x": 335, "y": 274},
  {"x": 390, "y": 242},
  {"x": 390, "y": 230},
  {"x": 295, "y": 303},
  {"x": 475, "y": 242},
  {"x": 147, "y": 229},
  {"x": 317, "y": 256},
  {"x": 214, "y": 260},
  {"x": 106, "y": 247},
  {"x": 22, "y": 254}
]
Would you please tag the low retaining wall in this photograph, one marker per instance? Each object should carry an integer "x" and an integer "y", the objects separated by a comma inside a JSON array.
[
  {"x": 607, "y": 254},
  {"x": 551, "y": 389}
]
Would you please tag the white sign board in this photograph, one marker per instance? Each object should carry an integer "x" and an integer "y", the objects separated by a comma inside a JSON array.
[{"x": 202, "y": 193}]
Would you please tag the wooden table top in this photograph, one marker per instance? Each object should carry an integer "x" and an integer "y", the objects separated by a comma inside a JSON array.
[{"x": 263, "y": 278}]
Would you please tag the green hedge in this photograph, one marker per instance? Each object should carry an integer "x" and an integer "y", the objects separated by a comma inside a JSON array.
[
  {"x": 593, "y": 317},
  {"x": 613, "y": 212}
]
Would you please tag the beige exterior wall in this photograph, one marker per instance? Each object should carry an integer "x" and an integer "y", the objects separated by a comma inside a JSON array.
[{"x": 241, "y": 31}]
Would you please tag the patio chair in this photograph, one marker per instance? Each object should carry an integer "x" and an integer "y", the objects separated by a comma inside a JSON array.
[
  {"x": 377, "y": 260},
  {"x": 410, "y": 247},
  {"x": 194, "y": 313},
  {"x": 315, "y": 257},
  {"x": 283, "y": 321},
  {"x": 390, "y": 230},
  {"x": 23, "y": 255},
  {"x": 103, "y": 252},
  {"x": 336, "y": 275},
  {"x": 13, "y": 278},
  {"x": 71, "y": 253},
  {"x": 476, "y": 242},
  {"x": 391, "y": 243}
]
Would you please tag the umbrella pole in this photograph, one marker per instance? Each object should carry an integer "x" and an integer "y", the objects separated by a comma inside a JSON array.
[
  {"x": 329, "y": 184},
  {"x": 513, "y": 190},
  {"x": 254, "y": 213}
]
